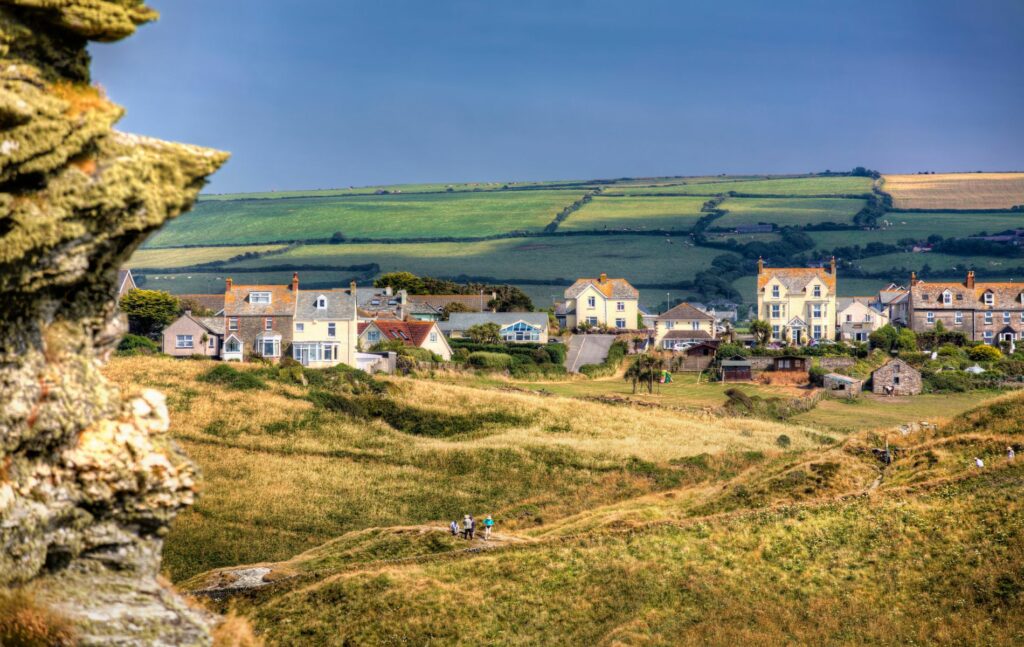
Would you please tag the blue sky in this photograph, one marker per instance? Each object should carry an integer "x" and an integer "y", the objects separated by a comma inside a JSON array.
[{"x": 318, "y": 94}]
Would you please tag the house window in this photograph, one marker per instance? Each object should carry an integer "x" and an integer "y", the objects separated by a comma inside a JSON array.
[
  {"x": 849, "y": 318},
  {"x": 896, "y": 380},
  {"x": 1022, "y": 317},
  {"x": 990, "y": 298},
  {"x": 212, "y": 343},
  {"x": 817, "y": 332},
  {"x": 1006, "y": 317},
  {"x": 930, "y": 317},
  {"x": 620, "y": 306},
  {"x": 373, "y": 335},
  {"x": 816, "y": 311},
  {"x": 259, "y": 297},
  {"x": 947, "y": 297},
  {"x": 958, "y": 318},
  {"x": 233, "y": 346},
  {"x": 183, "y": 341},
  {"x": 694, "y": 325},
  {"x": 300, "y": 327},
  {"x": 268, "y": 323},
  {"x": 269, "y": 347},
  {"x": 321, "y": 303},
  {"x": 233, "y": 323},
  {"x": 520, "y": 331},
  {"x": 592, "y": 321},
  {"x": 817, "y": 291},
  {"x": 775, "y": 291},
  {"x": 332, "y": 330},
  {"x": 988, "y": 318},
  {"x": 988, "y": 336},
  {"x": 591, "y": 302},
  {"x": 620, "y": 323},
  {"x": 776, "y": 332},
  {"x": 671, "y": 324},
  {"x": 868, "y": 318},
  {"x": 433, "y": 337},
  {"x": 776, "y": 311}
]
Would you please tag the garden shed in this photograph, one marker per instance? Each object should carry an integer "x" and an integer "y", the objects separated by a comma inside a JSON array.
[
  {"x": 843, "y": 385},
  {"x": 790, "y": 363},
  {"x": 737, "y": 369}
]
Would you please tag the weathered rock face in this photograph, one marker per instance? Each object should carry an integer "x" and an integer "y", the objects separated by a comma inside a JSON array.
[{"x": 88, "y": 481}]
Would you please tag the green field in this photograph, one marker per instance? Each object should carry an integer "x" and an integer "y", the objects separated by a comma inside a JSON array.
[
  {"x": 641, "y": 213},
  {"x": 436, "y": 187},
  {"x": 787, "y": 212},
  {"x": 387, "y": 216},
  {"x": 812, "y": 186},
  {"x": 919, "y": 226},
  {"x": 181, "y": 257},
  {"x": 990, "y": 266}
]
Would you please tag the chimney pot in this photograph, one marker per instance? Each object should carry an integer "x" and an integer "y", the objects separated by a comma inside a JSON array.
[
  {"x": 295, "y": 282},
  {"x": 970, "y": 279},
  {"x": 760, "y": 264},
  {"x": 228, "y": 283},
  {"x": 604, "y": 277}
]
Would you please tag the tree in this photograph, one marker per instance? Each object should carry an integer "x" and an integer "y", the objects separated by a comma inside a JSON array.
[
  {"x": 762, "y": 331},
  {"x": 149, "y": 311},
  {"x": 906, "y": 340},
  {"x": 484, "y": 333},
  {"x": 400, "y": 281},
  {"x": 454, "y": 306},
  {"x": 509, "y": 298},
  {"x": 647, "y": 370},
  {"x": 338, "y": 237},
  {"x": 884, "y": 338}
]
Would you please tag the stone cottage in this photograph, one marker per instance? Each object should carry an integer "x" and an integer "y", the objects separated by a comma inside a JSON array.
[{"x": 896, "y": 377}]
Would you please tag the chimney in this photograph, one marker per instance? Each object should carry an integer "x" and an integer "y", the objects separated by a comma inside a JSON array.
[
  {"x": 188, "y": 312},
  {"x": 352, "y": 288},
  {"x": 833, "y": 266},
  {"x": 295, "y": 282},
  {"x": 604, "y": 278},
  {"x": 760, "y": 265},
  {"x": 227, "y": 284},
  {"x": 970, "y": 280},
  {"x": 913, "y": 279}
]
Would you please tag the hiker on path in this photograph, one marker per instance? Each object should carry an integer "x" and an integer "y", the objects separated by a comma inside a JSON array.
[
  {"x": 467, "y": 527},
  {"x": 454, "y": 528},
  {"x": 488, "y": 524},
  {"x": 978, "y": 462},
  {"x": 1010, "y": 453},
  {"x": 472, "y": 526}
]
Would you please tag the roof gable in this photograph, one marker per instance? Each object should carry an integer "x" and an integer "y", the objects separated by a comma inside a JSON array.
[
  {"x": 684, "y": 312},
  {"x": 797, "y": 279},
  {"x": 609, "y": 288}
]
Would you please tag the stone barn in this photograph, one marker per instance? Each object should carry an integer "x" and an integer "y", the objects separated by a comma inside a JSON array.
[
  {"x": 896, "y": 377},
  {"x": 843, "y": 385}
]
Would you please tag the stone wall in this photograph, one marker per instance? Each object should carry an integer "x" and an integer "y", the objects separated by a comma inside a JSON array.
[
  {"x": 88, "y": 477},
  {"x": 835, "y": 363}
]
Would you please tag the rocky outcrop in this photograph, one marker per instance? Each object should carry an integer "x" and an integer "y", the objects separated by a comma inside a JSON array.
[{"x": 88, "y": 480}]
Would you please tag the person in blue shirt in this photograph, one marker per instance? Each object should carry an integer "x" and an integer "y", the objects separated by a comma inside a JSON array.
[{"x": 488, "y": 524}]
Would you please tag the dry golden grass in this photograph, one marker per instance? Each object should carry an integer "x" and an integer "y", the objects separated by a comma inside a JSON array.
[
  {"x": 25, "y": 622},
  {"x": 955, "y": 190}
]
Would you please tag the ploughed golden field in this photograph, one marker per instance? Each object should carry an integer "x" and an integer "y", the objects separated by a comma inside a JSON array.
[{"x": 955, "y": 190}]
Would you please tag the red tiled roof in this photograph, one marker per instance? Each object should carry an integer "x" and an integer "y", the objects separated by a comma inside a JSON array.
[
  {"x": 410, "y": 333},
  {"x": 236, "y": 301}
]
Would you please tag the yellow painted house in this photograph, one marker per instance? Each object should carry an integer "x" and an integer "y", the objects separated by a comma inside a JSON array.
[
  {"x": 681, "y": 325},
  {"x": 325, "y": 328},
  {"x": 798, "y": 302},
  {"x": 613, "y": 303}
]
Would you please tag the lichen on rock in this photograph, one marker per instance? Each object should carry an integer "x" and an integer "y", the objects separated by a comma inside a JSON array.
[{"x": 89, "y": 480}]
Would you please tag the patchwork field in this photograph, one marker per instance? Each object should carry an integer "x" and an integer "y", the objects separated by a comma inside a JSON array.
[
  {"x": 377, "y": 216},
  {"x": 919, "y": 226},
  {"x": 991, "y": 267},
  {"x": 636, "y": 213},
  {"x": 807, "y": 186},
  {"x": 187, "y": 256},
  {"x": 395, "y": 188},
  {"x": 955, "y": 190},
  {"x": 787, "y": 212}
]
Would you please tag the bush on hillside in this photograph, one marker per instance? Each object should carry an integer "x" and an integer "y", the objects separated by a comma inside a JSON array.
[
  {"x": 137, "y": 345},
  {"x": 984, "y": 353},
  {"x": 483, "y": 359},
  {"x": 232, "y": 378},
  {"x": 817, "y": 375}
]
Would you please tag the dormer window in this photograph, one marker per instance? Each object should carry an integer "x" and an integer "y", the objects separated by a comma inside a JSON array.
[
  {"x": 990, "y": 298},
  {"x": 321, "y": 302},
  {"x": 775, "y": 291},
  {"x": 259, "y": 297},
  {"x": 947, "y": 297}
]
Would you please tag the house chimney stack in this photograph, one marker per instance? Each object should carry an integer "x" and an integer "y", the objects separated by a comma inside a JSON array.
[
  {"x": 833, "y": 266},
  {"x": 760, "y": 265},
  {"x": 970, "y": 280},
  {"x": 352, "y": 288},
  {"x": 604, "y": 278},
  {"x": 913, "y": 279},
  {"x": 228, "y": 284},
  {"x": 295, "y": 282}
]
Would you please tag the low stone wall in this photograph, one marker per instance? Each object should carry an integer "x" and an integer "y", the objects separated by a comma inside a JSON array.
[{"x": 835, "y": 363}]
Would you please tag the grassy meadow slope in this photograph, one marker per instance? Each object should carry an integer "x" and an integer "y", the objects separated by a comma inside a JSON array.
[
  {"x": 805, "y": 186},
  {"x": 956, "y": 190},
  {"x": 669, "y": 213},
  {"x": 616, "y": 525}
]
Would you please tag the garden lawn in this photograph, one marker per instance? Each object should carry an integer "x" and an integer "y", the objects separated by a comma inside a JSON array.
[{"x": 459, "y": 215}]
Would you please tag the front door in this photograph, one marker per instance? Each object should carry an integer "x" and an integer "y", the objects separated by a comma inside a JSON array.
[{"x": 798, "y": 337}]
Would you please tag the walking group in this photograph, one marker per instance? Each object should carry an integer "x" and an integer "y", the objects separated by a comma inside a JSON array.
[{"x": 468, "y": 528}]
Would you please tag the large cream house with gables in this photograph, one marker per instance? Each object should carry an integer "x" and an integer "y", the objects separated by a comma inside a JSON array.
[
  {"x": 613, "y": 303},
  {"x": 798, "y": 302},
  {"x": 326, "y": 327}
]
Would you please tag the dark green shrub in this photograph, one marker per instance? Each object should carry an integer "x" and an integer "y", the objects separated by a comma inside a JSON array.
[
  {"x": 783, "y": 441},
  {"x": 817, "y": 375},
  {"x": 227, "y": 376},
  {"x": 137, "y": 345},
  {"x": 984, "y": 353},
  {"x": 483, "y": 359}
]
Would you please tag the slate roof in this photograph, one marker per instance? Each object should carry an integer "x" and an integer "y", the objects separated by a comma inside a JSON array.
[
  {"x": 839, "y": 377},
  {"x": 684, "y": 311},
  {"x": 236, "y": 301},
  {"x": 214, "y": 302},
  {"x": 435, "y": 303},
  {"x": 213, "y": 324},
  {"x": 465, "y": 320},
  {"x": 929, "y": 295},
  {"x": 611, "y": 288},
  {"x": 687, "y": 334},
  {"x": 411, "y": 333},
  {"x": 340, "y": 305},
  {"x": 796, "y": 278}
]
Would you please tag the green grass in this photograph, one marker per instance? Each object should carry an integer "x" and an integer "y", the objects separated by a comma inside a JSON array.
[
  {"x": 990, "y": 266},
  {"x": 787, "y": 212},
  {"x": 889, "y": 413},
  {"x": 815, "y": 186},
  {"x": 919, "y": 226},
  {"x": 181, "y": 257},
  {"x": 389, "y": 216},
  {"x": 636, "y": 213},
  {"x": 437, "y": 187}
]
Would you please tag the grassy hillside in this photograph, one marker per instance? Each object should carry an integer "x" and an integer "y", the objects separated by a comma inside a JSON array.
[
  {"x": 810, "y": 186},
  {"x": 787, "y": 212},
  {"x": 616, "y": 525},
  {"x": 956, "y": 190},
  {"x": 670, "y": 213}
]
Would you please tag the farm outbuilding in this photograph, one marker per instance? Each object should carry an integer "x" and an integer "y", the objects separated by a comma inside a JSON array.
[
  {"x": 790, "y": 363},
  {"x": 843, "y": 385},
  {"x": 896, "y": 377},
  {"x": 737, "y": 370}
]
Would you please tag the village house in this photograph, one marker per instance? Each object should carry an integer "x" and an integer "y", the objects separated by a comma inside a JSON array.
[
  {"x": 432, "y": 307},
  {"x": 325, "y": 327},
  {"x": 258, "y": 320},
  {"x": 896, "y": 377},
  {"x": 986, "y": 312},
  {"x": 190, "y": 335},
  {"x": 858, "y": 317},
  {"x": 612, "y": 303},
  {"x": 381, "y": 303},
  {"x": 799, "y": 303},
  {"x": 893, "y": 301},
  {"x": 682, "y": 326},
  {"x": 418, "y": 334},
  {"x": 513, "y": 327}
]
